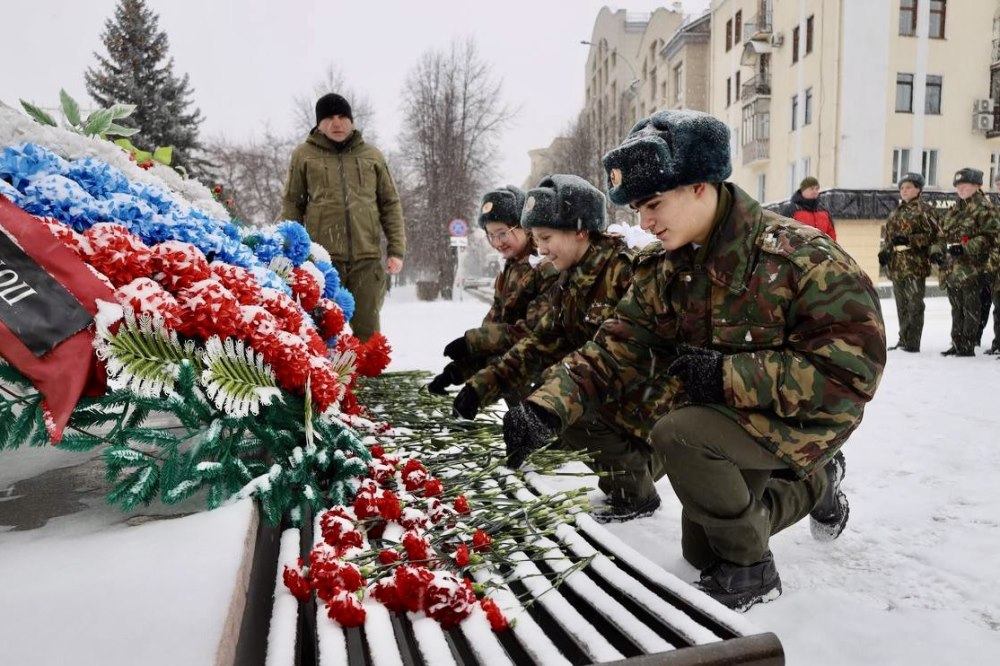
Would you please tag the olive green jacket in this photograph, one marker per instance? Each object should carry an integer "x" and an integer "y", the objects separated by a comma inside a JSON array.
[{"x": 345, "y": 197}]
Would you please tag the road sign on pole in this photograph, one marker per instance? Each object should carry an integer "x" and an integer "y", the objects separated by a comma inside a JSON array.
[{"x": 458, "y": 227}]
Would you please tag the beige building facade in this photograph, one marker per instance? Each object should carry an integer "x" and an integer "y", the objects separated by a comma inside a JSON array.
[{"x": 855, "y": 93}]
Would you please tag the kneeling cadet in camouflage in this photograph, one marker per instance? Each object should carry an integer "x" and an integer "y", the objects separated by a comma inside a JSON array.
[
  {"x": 510, "y": 318},
  {"x": 779, "y": 343},
  {"x": 567, "y": 218}
]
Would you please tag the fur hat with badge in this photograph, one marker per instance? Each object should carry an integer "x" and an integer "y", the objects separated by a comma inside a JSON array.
[
  {"x": 914, "y": 179},
  {"x": 968, "y": 175},
  {"x": 667, "y": 150},
  {"x": 332, "y": 104},
  {"x": 503, "y": 204},
  {"x": 564, "y": 201}
]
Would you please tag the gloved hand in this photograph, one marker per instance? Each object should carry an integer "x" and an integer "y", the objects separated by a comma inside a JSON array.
[
  {"x": 956, "y": 250},
  {"x": 899, "y": 239},
  {"x": 936, "y": 258},
  {"x": 450, "y": 376},
  {"x": 526, "y": 428},
  {"x": 466, "y": 403},
  {"x": 883, "y": 257},
  {"x": 457, "y": 349},
  {"x": 700, "y": 370}
]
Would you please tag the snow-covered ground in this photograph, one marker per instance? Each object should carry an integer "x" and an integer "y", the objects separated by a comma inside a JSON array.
[
  {"x": 911, "y": 581},
  {"x": 914, "y": 578}
]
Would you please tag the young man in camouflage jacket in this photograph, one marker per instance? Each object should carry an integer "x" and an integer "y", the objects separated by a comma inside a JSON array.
[
  {"x": 969, "y": 233},
  {"x": 568, "y": 217},
  {"x": 906, "y": 244},
  {"x": 779, "y": 343},
  {"x": 517, "y": 286}
]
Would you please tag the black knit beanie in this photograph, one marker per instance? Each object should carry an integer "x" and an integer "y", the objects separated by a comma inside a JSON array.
[
  {"x": 503, "y": 204},
  {"x": 667, "y": 150},
  {"x": 563, "y": 201},
  {"x": 332, "y": 104}
]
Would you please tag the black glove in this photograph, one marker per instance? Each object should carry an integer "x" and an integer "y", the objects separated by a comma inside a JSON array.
[
  {"x": 701, "y": 371},
  {"x": 883, "y": 257},
  {"x": 936, "y": 258},
  {"x": 900, "y": 240},
  {"x": 457, "y": 349},
  {"x": 450, "y": 376},
  {"x": 956, "y": 250},
  {"x": 466, "y": 403},
  {"x": 526, "y": 428}
]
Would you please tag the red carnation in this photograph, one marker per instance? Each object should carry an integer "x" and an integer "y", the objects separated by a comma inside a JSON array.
[
  {"x": 411, "y": 585},
  {"x": 305, "y": 288},
  {"x": 365, "y": 505},
  {"x": 448, "y": 600},
  {"x": 481, "y": 541},
  {"x": 146, "y": 297},
  {"x": 256, "y": 323},
  {"x": 118, "y": 254},
  {"x": 324, "y": 384},
  {"x": 178, "y": 265},
  {"x": 207, "y": 309},
  {"x": 281, "y": 305},
  {"x": 346, "y": 609},
  {"x": 377, "y": 450},
  {"x": 239, "y": 281},
  {"x": 414, "y": 474},
  {"x": 388, "y": 556},
  {"x": 433, "y": 487},
  {"x": 288, "y": 356},
  {"x": 329, "y": 317},
  {"x": 373, "y": 356},
  {"x": 417, "y": 547},
  {"x": 462, "y": 555},
  {"x": 389, "y": 507},
  {"x": 296, "y": 584},
  {"x": 462, "y": 505},
  {"x": 315, "y": 343},
  {"x": 493, "y": 613},
  {"x": 965, "y": 240}
]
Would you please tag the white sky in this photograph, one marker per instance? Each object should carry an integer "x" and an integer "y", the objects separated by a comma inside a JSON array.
[{"x": 247, "y": 59}]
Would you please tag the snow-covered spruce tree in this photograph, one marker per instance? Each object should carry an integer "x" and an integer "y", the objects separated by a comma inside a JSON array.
[{"x": 138, "y": 71}]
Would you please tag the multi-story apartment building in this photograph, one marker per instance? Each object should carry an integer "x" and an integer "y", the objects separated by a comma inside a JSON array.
[{"x": 855, "y": 93}]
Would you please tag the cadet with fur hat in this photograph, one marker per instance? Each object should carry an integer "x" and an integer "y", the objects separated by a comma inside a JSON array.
[
  {"x": 340, "y": 188},
  {"x": 567, "y": 217},
  {"x": 969, "y": 232},
  {"x": 521, "y": 281},
  {"x": 905, "y": 252},
  {"x": 778, "y": 343}
]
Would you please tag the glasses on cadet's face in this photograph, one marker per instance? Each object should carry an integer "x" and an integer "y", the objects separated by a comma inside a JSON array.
[{"x": 500, "y": 236}]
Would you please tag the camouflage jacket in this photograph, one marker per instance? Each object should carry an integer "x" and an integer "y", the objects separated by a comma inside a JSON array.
[
  {"x": 917, "y": 222},
  {"x": 798, "y": 322},
  {"x": 974, "y": 224},
  {"x": 570, "y": 312},
  {"x": 516, "y": 287}
]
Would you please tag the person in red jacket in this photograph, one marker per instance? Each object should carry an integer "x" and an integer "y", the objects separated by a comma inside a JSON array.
[{"x": 805, "y": 208}]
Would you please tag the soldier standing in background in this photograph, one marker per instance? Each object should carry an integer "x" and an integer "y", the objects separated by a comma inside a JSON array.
[
  {"x": 968, "y": 234},
  {"x": 993, "y": 270},
  {"x": 515, "y": 289},
  {"x": 779, "y": 342},
  {"x": 906, "y": 241}
]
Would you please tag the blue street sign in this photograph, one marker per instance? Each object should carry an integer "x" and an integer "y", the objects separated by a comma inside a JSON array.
[{"x": 458, "y": 227}]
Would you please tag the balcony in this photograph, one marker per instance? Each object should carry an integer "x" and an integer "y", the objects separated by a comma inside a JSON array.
[
  {"x": 759, "y": 28},
  {"x": 756, "y": 86},
  {"x": 755, "y": 150}
]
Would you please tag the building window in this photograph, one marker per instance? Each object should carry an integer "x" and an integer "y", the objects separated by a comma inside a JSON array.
[
  {"x": 762, "y": 187},
  {"x": 994, "y": 167},
  {"x": 908, "y": 18},
  {"x": 806, "y": 166},
  {"x": 795, "y": 45},
  {"x": 932, "y": 103},
  {"x": 678, "y": 83},
  {"x": 900, "y": 163},
  {"x": 729, "y": 34},
  {"x": 807, "y": 109},
  {"x": 793, "y": 178},
  {"x": 738, "y": 28},
  {"x": 736, "y": 88},
  {"x": 729, "y": 91},
  {"x": 928, "y": 167},
  {"x": 809, "y": 35},
  {"x": 937, "y": 19},
  {"x": 795, "y": 112},
  {"x": 904, "y": 93},
  {"x": 614, "y": 59}
]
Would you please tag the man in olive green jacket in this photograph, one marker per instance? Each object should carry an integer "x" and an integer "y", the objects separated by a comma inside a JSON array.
[{"x": 340, "y": 188}]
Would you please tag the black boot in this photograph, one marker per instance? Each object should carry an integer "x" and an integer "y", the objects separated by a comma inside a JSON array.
[
  {"x": 950, "y": 351},
  {"x": 993, "y": 350},
  {"x": 619, "y": 510},
  {"x": 829, "y": 517},
  {"x": 740, "y": 587}
]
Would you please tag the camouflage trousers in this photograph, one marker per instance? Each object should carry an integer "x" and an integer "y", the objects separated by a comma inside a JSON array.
[
  {"x": 367, "y": 280},
  {"x": 966, "y": 315},
  {"x": 734, "y": 493},
  {"x": 624, "y": 463},
  {"x": 985, "y": 300},
  {"x": 996, "y": 313},
  {"x": 909, "y": 295}
]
